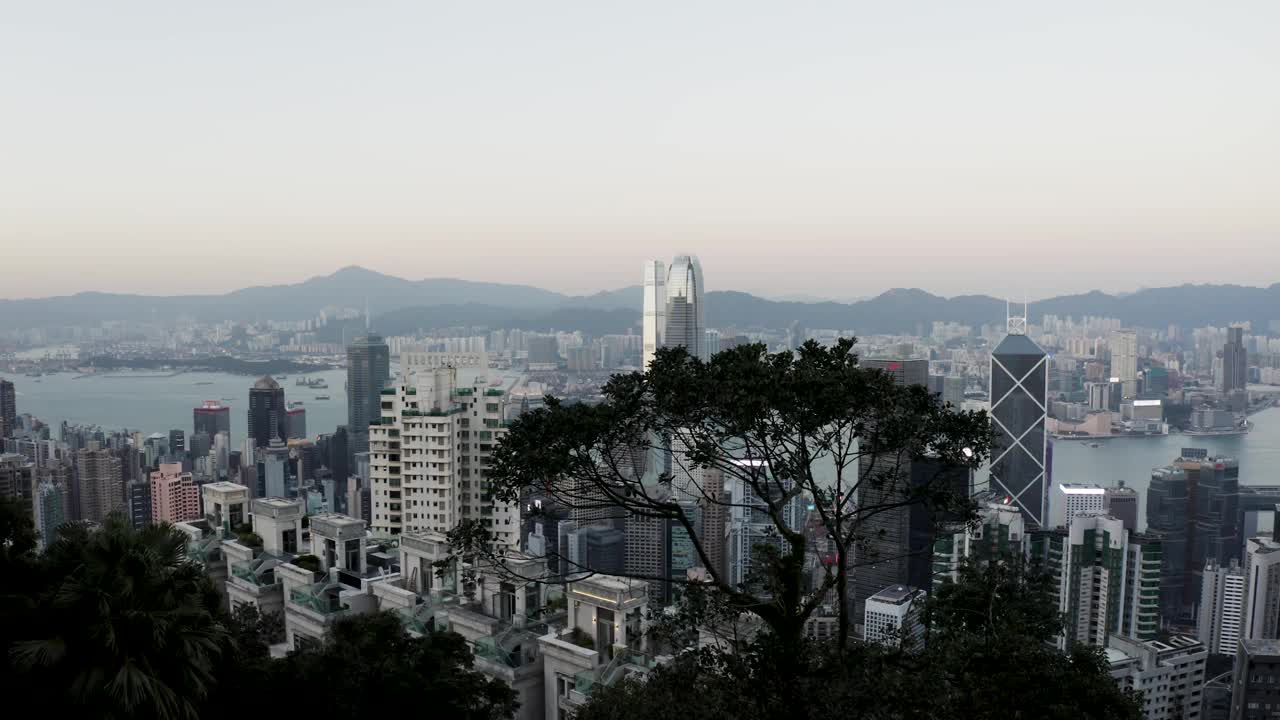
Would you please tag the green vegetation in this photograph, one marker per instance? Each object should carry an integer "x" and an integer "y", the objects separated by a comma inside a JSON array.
[{"x": 308, "y": 562}]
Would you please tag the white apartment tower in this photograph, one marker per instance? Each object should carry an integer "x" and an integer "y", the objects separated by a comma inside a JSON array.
[
  {"x": 429, "y": 456},
  {"x": 1262, "y": 590},
  {"x": 1075, "y": 500},
  {"x": 655, "y": 308},
  {"x": 1124, "y": 359},
  {"x": 1221, "y": 607}
]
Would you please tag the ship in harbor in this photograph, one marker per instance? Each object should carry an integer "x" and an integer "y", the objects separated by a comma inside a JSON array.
[{"x": 314, "y": 383}]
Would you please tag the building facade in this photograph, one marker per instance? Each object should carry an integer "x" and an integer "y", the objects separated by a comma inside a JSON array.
[
  {"x": 1170, "y": 674},
  {"x": 268, "y": 416},
  {"x": 101, "y": 476},
  {"x": 1019, "y": 390},
  {"x": 685, "y": 315},
  {"x": 368, "y": 370},
  {"x": 655, "y": 309},
  {"x": 174, "y": 495},
  {"x": 1221, "y": 607}
]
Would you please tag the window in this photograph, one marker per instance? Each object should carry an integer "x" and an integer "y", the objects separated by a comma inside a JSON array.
[{"x": 564, "y": 683}]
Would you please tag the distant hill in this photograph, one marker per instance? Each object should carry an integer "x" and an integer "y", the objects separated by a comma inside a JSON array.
[{"x": 402, "y": 306}]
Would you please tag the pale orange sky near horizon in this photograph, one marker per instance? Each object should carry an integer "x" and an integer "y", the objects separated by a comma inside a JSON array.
[{"x": 831, "y": 149}]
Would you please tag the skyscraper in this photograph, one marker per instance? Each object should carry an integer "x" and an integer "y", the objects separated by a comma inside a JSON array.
[
  {"x": 1124, "y": 360},
  {"x": 1261, "y": 614},
  {"x": 268, "y": 416},
  {"x": 685, "y": 315},
  {"x": 1221, "y": 607},
  {"x": 50, "y": 510},
  {"x": 211, "y": 418},
  {"x": 1109, "y": 584},
  {"x": 101, "y": 483},
  {"x": 174, "y": 495},
  {"x": 297, "y": 421},
  {"x": 655, "y": 309},
  {"x": 8, "y": 408},
  {"x": 1235, "y": 361},
  {"x": 368, "y": 369},
  {"x": 1019, "y": 390}
]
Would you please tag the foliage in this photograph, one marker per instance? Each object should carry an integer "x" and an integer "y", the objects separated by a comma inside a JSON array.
[
  {"x": 986, "y": 657},
  {"x": 791, "y": 428},
  {"x": 371, "y": 668},
  {"x": 308, "y": 562},
  {"x": 123, "y": 626}
]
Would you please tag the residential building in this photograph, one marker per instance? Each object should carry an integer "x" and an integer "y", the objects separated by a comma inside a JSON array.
[
  {"x": 50, "y": 504},
  {"x": 225, "y": 505},
  {"x": 1124, "y": 360},
  {"x": 1103, "y": 581},
  {"x": 1255, "y": 682},
  {"x": 1019, "y": 393},
  {"x": 1221, "y": 607},
  {"x": 174, "y": 495},
  {"x": 685, "y": 313},
  {"x": 647, "y": 553},
  {"x": 273, "y": 469},
  {"x": 101, "y": 476},
  {"x": 430, "y": 453},
  {"x": 655, "y": 309},
  {"x": 18, "y": 479},
  {"x": 892, "y": 616},
  {"x": 1261, "y": 614},
  {"x": 604, "y": 642},
  {"x": 268, "y": 416},
  {"x": 368, "y": 370},
  {"x": 1170, "y": 674},
  {"x": 253, "y": 562},
  {"x": 998, "y": 533},
  {"x": 138, "y": 503}
]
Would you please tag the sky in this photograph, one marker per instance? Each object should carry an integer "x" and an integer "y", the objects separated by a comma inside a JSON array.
[{"x": 826, "y": 149}]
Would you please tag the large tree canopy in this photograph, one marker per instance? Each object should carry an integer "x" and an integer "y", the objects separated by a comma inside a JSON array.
[{"x": 818, "y": 445}]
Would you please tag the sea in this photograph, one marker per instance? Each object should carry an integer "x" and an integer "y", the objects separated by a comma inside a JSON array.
[{"x": 154, "y": 401}]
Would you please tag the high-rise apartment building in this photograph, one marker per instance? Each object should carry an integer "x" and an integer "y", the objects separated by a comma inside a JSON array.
[
  {"x": 17, "y": 479},
  {"x": 892, "y": 616},
  {"x": 1261, "y": 615},
  {"x": 1124, "y": 359},
  {"x": 1102, "y": 582},
  {"x": 137, "y": 500},
  {"x": 1221, "y": 607},
  {"x": 101, "y": 483},
  {"x": 1000, "y": 532},
  {"x": 429, "y": 455},
  {"x": 685, "y": 314},
  {"x": 174, "y": 495},
  {"x": 8, "y": 409},
  {"x": 50, "y": 510},
  {"x": 1235, "y": 361},
  {"x": 273, "y": 469},
  {"x": 1019, "y": 452},
  {"x": 647, "y": 546},
  {"x": 1168, "y": 673},
  {"x": 655, "y": 309},
  {"x": 268, "y": 416},
  {"x": 368, "y": 370}
]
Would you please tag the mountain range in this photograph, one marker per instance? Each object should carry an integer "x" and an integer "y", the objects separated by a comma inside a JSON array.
[{"x": 401, "y": 306}]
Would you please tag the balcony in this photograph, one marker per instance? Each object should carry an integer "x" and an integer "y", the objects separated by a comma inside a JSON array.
[
  {"x": 511, "y": 646},
  {"x": 324, "y": 598},
  {"x": 625, "y": 663}
]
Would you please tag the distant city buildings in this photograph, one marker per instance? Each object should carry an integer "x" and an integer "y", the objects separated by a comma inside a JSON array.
[
  {"x": 8, "y": 410},
  {"x": 685, "y": 315},
  {"x": 1124, "y": 360},
  {"x": 368, "y": 370},
  {"x": 1235, "y": 362},
  {"x": 268, "y": 415}
]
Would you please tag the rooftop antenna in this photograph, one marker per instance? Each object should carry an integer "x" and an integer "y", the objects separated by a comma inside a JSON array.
[{"x": 1015, "y": 325}]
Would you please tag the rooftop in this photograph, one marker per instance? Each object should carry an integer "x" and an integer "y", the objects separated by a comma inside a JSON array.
[
  {"x": 1018, "y": 345},
  {"x": 266, "y": 382},
  {"x": 1262, "y": 647},
  {"x": 224, "y": 486},
  {"x": 896, "y": 594},
  {"x": 1081, "y": 489}
]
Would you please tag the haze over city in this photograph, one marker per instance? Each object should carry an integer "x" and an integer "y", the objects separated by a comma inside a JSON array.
[{"x": 833, "y": 150}]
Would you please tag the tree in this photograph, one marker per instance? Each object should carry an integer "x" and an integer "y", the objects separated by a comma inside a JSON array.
[
  {"x": 986, "y": 657},
  {"x": 369, "y": 667},
  {"x": 123, "y": 626},
  {"x": 789, "y": 429}
]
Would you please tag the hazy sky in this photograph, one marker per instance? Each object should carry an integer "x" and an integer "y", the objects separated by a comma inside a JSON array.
[{"x": 833, "y": 149}]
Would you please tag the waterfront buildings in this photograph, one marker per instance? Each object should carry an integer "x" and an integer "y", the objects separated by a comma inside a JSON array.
[
  {"x": 1124, "y": 360},
  {"x": 685, "y": 315},
  {"x": 368, "y": 369},
  {"x": 8, "y": 409},
  {"x": 1122, "y": 502},
  {"x": 429, "y": 454},
  {"x": 211, "y": 418},
  {"x": 1019, "y": 391},
  {"x": 268, "y": 416},
  {"x": 296, "y": 421},
  {"x": 1235, "y": 362},
  {"x": 1077, "y": 499},
  {"x": 655, "y": 309}
]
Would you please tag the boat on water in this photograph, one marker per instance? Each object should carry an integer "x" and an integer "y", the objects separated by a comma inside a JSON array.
[
  {"x": 228, "y": 399},
  {"x": 204, "y": 382},
  {"x": 282, "y": 377},
  {"x": 322, "y": 397},
  {"x": 1094, "y": 444}
]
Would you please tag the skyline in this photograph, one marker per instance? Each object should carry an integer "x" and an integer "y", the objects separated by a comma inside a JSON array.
[{"x": 836, "y": 152}]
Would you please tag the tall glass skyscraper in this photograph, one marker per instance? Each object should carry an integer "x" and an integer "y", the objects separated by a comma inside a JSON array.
[
  {"x": 686, "y": 321},
  {"x": 368, "y": 369},
  {"x": 267, "y": 413},
  {"x": 655, "y": 309},
  {"x": 1019, "y": 389}
]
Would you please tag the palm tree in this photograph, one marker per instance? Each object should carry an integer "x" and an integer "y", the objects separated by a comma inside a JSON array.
[{"x": 126, "y": 625}]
